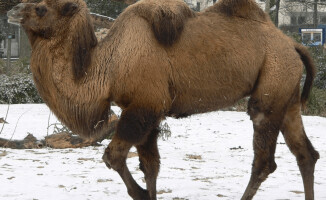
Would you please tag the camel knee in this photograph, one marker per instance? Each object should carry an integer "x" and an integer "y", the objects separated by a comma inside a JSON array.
[
  {"x": 115, "y": 154},
  {"x": 150, "y": 169},
  {"x": 264, "y": 148},
  {"x": 149, "y": 158},
  {"x": 305, "y": 154},
  {"x": 149, "y": 163},
  {"x": 300, "y": 145},
  {"x": 262, "y": 167}
]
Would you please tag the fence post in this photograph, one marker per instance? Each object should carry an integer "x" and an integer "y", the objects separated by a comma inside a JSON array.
[{"x": 8, "y": 52}]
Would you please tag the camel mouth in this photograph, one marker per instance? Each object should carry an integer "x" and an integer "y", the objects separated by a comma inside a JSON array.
[
  {"x": 14, "y": 15},
  {"x": 16, "y": 21}
]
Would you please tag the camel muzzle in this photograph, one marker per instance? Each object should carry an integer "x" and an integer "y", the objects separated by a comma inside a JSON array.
[{"x": 15, "y": 15}]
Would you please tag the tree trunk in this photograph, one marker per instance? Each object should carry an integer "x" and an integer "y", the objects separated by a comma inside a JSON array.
[
  {"x": 267, "y": 6},
  {"x": 277, "y": 9},
  {"x": 315, "y": 14}
]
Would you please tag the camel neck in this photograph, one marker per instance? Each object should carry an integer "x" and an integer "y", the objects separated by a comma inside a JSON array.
[{"x": 82, "y": 99}]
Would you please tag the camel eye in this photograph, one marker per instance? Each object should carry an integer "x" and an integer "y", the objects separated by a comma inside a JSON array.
[
  {"x": 69, "y": 9},
  {"x": 41, "y": 11}
]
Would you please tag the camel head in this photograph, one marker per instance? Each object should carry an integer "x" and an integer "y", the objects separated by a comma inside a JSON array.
[
  {"x": 59, "y": 21},
  {"x": 63, "y": 44}
]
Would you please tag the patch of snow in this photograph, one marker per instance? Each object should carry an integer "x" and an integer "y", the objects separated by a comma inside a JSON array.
[{"x": 207, "y": 157}]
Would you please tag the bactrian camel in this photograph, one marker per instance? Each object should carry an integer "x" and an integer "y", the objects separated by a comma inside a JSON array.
[{"x": 162, "y": 59}]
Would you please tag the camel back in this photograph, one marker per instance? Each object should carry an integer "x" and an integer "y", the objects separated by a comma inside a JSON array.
[
  {"x": 240, "y": 8},
  {"x": 168, "y": 17}
]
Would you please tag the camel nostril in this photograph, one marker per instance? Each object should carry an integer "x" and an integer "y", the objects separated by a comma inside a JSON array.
[{"x": 41, "y": 10}]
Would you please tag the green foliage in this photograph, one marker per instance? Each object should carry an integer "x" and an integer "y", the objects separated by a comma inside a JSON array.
[
  {"x": 16, "y": 83},
  {"x": 2, "y": 66},
  {"x": 295, "y": 36},
  {"x": 106, "y": 7},
  {"x": 318, "y": 54},
  {"x": 317, "y": 99},
  {"x": 17, "y": 89},
  {"x": 165, "y": 131},
  {"x": 319, "y": 57},
  {"x": 16, "y": 67},
  {"x": 316, "y": 103}
]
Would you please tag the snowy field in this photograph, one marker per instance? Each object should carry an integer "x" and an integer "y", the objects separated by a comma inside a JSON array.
[{"x": 200, "y": 161}]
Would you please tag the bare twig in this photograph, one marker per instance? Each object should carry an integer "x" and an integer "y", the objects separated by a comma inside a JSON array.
[
  {"x": 12, "y": 135},
  {"x": 47, "y": 129},
  {"x": 3, "y": 125}
]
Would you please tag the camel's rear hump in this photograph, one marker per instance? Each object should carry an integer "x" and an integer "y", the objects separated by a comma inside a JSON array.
[{"x": 240, "y": 8}]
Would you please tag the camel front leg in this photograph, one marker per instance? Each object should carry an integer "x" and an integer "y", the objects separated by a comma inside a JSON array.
[
  {"x": 134, "y": 128},
  {"x": 149, "y": 159},
  {"x": 115, "y": 157}
]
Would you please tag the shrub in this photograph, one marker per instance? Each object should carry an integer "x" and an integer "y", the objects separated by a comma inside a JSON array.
[
  {"x": 2, "y": 66},
  {"x": 16, "y": 67},
  {"x": 18, "y": 88},
  {"x": 316, "y": 102},
  {"x": 319, "y": 57},
  {"x": 318, "y": 54},
  {"x": 165, "y": 131}
]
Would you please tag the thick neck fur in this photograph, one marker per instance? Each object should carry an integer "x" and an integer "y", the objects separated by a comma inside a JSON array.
[{"x": 81, "y": 104}]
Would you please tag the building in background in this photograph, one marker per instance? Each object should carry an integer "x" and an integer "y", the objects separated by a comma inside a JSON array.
[
  {"x": 20, "y": 47},
  {"x": 299, "y": 12},
  {"x": 294, "y": 15},
  {"x": 199, "y": 5}
]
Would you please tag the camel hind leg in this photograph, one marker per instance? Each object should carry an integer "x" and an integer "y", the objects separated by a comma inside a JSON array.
[
  {"x": 299, "y": 144},
  {"x": 266, "y": 107},
  {"x": 266, "y": 125}
]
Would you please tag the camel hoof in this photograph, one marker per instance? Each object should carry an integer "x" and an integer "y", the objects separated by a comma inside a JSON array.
[{"x": 140, "y": 194}]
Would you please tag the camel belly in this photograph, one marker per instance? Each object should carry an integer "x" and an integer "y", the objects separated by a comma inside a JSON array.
[{"x": 205, "y": 96}]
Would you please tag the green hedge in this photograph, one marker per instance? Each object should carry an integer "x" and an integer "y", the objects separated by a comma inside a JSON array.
[{"x": 17, "y": 89}]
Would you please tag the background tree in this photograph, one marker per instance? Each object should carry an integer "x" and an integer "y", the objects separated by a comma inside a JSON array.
[
  {"x": 307, "y": 13},
  {"x": 108, "y": 7}
]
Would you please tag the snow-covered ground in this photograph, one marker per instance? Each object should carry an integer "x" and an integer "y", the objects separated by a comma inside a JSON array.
[{"x": 201, "y": 160}]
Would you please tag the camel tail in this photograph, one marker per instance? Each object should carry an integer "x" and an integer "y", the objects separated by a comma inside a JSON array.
[
  {"x": 167, "y": 18},
  {"x": 310, "y": 72}
]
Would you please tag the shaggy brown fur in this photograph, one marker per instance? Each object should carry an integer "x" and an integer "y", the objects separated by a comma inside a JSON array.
[
  {"x": 161, "y": 59},
  {"x": 247, "y": 9},
  {"x": 166, "y": 17}
]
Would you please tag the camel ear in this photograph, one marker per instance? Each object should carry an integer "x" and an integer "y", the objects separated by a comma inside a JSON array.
[
  {"x": 69, "y": 9},
  {"x": 83, "y": 42}
]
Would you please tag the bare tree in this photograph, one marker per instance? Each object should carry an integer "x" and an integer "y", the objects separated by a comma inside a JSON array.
[
  {"x": 304, "y": 12},
  {"x": 315, "y": 14}
]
